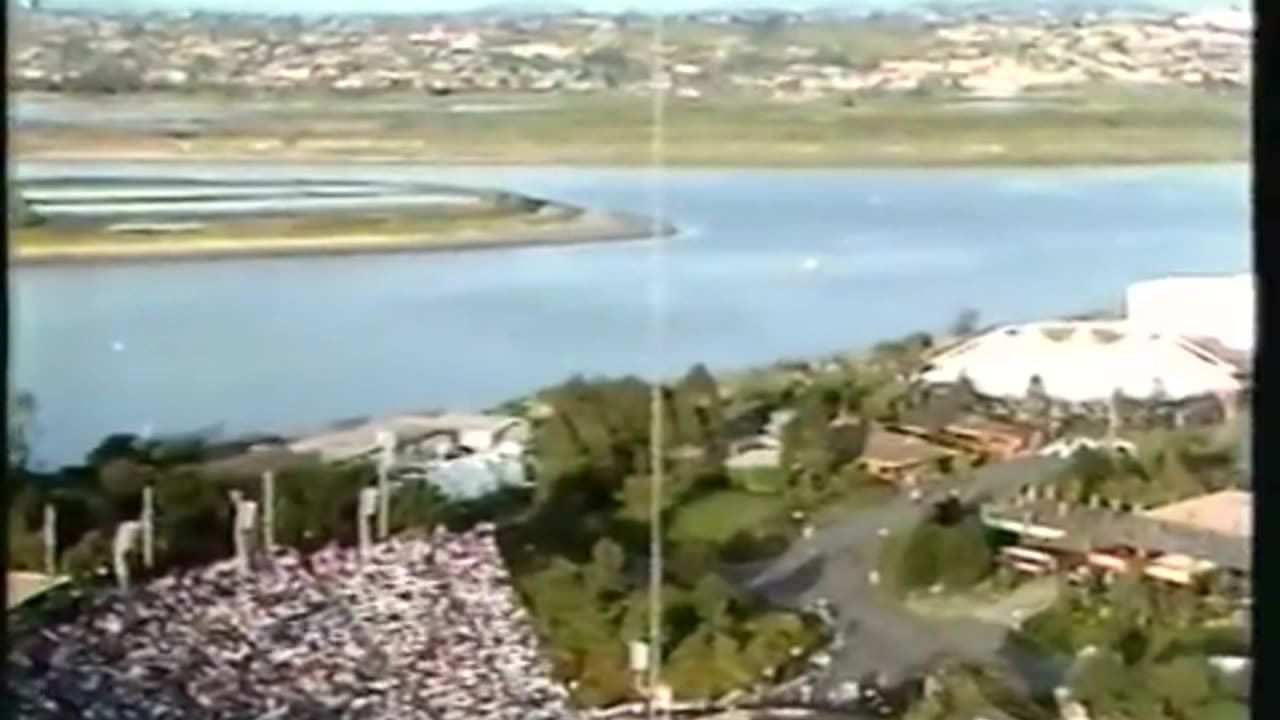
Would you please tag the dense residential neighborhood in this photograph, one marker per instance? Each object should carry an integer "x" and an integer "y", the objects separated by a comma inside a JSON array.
[{"x": 792, "y": 57}]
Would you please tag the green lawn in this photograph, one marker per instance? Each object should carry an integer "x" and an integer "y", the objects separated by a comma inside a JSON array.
[
  {"x": 719, "y": 516},
  {"x": 1087, "y": 125}
]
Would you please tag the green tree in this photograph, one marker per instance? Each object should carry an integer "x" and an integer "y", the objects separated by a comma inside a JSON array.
[
  {"x": 690, "y": 561},
  {"x": 964, "y": 554},
  {"x": 706, "y": 664},
  {"x": 965, "y": 323},
  {"x": 1182, "y": 683},
  {"x": 316, "y": 505},
  {"x": 701, "y": 410},
  {"x": 21, "y": 429},
  {"x": 609, "y": 59},
  {"x": 808, "y": 442},
  {"x": 885, "y": 401},
  {"x": 114, "y": 447},
  {"x": 604, "y": 573},
  {"x": 603, "y": 676},
  {"x": 415, "y": 505},
  {"x": 1037, "y": 404},
  {"x": 83, "y": 560},
  {"x": 919, "y": 563},
  {"x": 712, "y": 597},
  {"x": 1100, "y": 680},
  {"x": 847, "y": 438},
  {"x": 193, "y": 519},
  {"x": 1176, "y": 481},
  {"x": 557, "y": 455}
]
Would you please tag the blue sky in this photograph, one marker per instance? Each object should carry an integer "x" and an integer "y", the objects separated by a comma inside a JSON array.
[{"x": 413, "y": 6}]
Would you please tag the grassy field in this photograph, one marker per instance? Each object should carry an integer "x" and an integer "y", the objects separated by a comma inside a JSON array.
[
  {"x": 1102, "y": 125},
  {"x": 719, "y": 516}
]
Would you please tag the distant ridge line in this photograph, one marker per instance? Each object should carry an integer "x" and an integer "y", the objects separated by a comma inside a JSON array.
[{"x": 633, "y": 7}]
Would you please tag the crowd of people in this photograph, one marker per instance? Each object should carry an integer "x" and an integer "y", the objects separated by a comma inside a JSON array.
[{"x": 418, "y": 628}]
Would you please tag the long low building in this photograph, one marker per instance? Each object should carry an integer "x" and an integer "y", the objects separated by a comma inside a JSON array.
[
  {"x": 477, "y": 432},
  {"x": 1177, "y": 543},
  {"x": 1086, "y": 361}
]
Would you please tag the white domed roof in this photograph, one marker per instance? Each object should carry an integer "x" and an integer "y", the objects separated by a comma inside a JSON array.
[{"x": 1083, "y": 362}]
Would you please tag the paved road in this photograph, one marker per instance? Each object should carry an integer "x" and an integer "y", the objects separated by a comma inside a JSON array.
[{"x": 880, "y": 634}]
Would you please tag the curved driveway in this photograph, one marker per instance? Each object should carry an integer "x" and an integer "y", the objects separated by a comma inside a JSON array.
[{"x": 879, "y": 635}]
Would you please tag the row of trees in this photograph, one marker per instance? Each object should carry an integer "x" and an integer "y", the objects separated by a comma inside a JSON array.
[
  {"x": 1142, "y": 652},
  {"x": 962, "y": 690},
  {"x": 1167, "y": 467},
  {"x": 592, "y": 459},
  {"x": 592, "y": 447},
  {"x": 715, "y": 641},
  {"x": 315, "y": 503}
]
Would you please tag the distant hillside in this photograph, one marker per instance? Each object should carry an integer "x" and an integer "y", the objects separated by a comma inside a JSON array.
[{"x": 554, "y": 7}]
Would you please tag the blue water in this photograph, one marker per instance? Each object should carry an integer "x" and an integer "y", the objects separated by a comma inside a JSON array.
[{"x": 285, "y": 342}]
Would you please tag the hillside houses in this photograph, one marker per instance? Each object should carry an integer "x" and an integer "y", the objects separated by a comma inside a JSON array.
[{"x": 586, "y": 54}]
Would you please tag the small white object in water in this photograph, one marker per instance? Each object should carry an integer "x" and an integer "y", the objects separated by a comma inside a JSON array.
[
  {"x": 811, "y": 264},
  {"x": 117, "y": 346}
]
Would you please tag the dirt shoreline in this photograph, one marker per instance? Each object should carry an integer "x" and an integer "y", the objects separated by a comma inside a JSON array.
[
  {"x": 588, "y": 228},
  {"x": 818, "y": 162}
]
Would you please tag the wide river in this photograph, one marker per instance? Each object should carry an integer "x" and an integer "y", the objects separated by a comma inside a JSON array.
[{"x": 771, "y": 264}]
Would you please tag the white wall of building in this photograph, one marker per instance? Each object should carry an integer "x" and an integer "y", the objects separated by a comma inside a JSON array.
[{"x": 1219, "y": 307}]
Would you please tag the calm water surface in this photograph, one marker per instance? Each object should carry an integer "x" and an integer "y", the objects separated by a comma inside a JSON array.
[{"x": 772, "y": 264}]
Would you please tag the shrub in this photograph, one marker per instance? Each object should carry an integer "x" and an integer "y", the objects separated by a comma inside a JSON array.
[
  {"x": 751, "y": 546},
  {"x": 952, "y": 548},
  {"x": 964, "y": 555},
  {"x": 83, "y": 560}
]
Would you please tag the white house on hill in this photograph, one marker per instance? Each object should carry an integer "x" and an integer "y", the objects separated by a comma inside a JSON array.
[{"x": 1085, "y": 361}]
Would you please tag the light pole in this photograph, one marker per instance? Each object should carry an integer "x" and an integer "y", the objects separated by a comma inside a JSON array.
[
  {"x": 148, "y": 527},
  {"x": 386, "y": 457},
  {"x": 367, "y": 507},
  {"x": 50, "y": 533},
  {"x": 269, "y": 511}
]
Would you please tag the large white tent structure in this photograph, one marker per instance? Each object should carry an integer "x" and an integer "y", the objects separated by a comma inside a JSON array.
[
  {"x": 1217, "y": 307},
  {"x": 1085, "y": 361}
]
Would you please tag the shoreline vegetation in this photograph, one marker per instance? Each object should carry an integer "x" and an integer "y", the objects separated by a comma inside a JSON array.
[
  {"x": 585, "y": 227},
  {"x": 1094, "y": 127},
  {"x": 158, "y": 220}
]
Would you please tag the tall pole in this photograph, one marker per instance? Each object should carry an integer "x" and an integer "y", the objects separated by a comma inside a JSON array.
[
  {"x": 387, "y": 449},
  {"x": 122, "y": 544},
  {"x": 50, "y": 534},
  {"x": 237, "y": 528},
  {"x": 365, "y": 509},
  {"x": 657, "y": 448},
  {"x": 269, "y": 511},
  {"x": 148, "y": 527}
]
